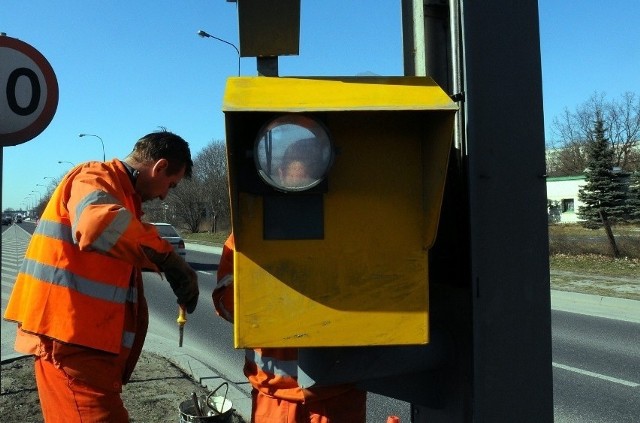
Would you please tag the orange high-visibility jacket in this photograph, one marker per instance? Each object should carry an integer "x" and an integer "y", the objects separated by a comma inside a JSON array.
[
  {"x": 74, "y": 281},
  {"x": 272, "y": 371}
]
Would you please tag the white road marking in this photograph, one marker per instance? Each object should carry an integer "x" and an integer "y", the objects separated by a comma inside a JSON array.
[{"x": 597, "y": 375}]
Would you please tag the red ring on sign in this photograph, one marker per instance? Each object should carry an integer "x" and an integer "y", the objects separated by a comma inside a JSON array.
[{"x": 51, "y": 102}]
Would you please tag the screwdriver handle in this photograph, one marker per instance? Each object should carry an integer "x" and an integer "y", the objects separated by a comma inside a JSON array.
[{"x": 182, "y": 315}]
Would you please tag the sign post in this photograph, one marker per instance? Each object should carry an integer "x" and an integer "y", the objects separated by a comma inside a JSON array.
[{"x": 28, "y": 94}]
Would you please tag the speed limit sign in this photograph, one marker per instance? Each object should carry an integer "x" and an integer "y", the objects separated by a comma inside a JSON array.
[{"x": 28, "y": 92}]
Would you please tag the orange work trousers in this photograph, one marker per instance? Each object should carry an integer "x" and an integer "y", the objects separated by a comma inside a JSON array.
[
  {"x": 66, "y": 400},
  {"x": 349, "y": 407}
]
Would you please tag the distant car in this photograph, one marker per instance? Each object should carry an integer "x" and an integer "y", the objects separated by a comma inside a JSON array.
[
  {"x": 18, "y": 219},
  {"x": 6, "y": 219},
  {"x": 169, "y": 233}
]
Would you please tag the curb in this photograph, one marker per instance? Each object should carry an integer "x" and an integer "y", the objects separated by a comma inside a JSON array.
[
  {"x": 596, "y": 305},
  {"x": 203, "y": 248},
  {"x": 12, "y": 357}
]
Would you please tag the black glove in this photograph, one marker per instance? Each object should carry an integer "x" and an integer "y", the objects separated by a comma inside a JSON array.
[{"x": 183, "y": 280}]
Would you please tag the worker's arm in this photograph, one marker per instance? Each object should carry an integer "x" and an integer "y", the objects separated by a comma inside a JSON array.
[
  {"x": 182, "y": 278},
  {"x": 223, "y": 292},
  {"x": 101, "y": 222}
]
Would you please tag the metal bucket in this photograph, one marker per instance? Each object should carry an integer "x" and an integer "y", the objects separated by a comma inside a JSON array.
[{"x": 212, "y": 408}]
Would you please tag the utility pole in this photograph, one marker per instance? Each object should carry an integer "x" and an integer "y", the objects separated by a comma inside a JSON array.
[{"x": 489, "y": 278}]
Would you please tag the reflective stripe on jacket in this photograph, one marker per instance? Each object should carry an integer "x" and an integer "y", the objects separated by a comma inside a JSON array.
[{"x": 75, "y": 279}]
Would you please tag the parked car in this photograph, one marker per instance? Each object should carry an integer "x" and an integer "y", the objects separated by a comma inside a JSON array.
[
  {"x": 169, "y": 233},
  {"x": 6, "y": 219}
]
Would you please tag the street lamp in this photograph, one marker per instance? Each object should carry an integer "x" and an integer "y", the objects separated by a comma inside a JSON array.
[
  {"x": 104, "y": 157},
  {"x": 27, "y": 200},
  {"x": 62, "y": 161},
  {"x": 204, "y": 34},
  {"x": 39, "y": 198}
]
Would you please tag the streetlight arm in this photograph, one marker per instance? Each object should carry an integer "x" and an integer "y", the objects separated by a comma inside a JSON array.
[
  {"x": 104, "y": 157},
  {"x": 204, "y": 34}
]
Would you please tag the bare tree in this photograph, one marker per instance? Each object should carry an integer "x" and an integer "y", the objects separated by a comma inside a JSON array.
[
  {"x": 185, "y": 205},
  {"x": 573, "y": 132},
  {"x": 201, "y": 203},
  {"x": 624, "y": 131},
  {"x": 210, "y": 166}
]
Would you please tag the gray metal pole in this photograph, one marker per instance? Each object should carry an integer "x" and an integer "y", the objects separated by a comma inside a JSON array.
[
  {"x": 513, "y": 379},
  {"x": 489, "y": 281},
  {"x": 413, "y": 37}
]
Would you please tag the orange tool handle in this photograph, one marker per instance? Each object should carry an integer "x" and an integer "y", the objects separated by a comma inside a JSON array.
[
  {"x": 182, "y": 319},
  {"x": 182, "y": 315}
]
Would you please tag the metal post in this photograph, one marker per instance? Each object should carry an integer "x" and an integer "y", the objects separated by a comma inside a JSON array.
[
  {"x": 267, "y": 66},
  {"x": 489, "y": 280},
  {"x": 104, "y": 157},
  {"x": 413, "y": 37}
]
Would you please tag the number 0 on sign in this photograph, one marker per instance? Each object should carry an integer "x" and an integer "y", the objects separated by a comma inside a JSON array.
[{"x": 28, "y": 92}]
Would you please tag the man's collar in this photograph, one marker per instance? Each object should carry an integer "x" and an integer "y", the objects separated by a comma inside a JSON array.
[{"x": 133, "y": 173}]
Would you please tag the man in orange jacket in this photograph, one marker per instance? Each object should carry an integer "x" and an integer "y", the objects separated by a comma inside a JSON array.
[
  {"x": 78, "y": 298},
  {"x": 272, "y": 372}
]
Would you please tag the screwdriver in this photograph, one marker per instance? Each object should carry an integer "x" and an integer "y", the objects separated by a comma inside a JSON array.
[{"x": 182, "y": 319}]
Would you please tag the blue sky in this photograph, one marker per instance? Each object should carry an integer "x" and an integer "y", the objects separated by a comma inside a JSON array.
[{"x": 126, "y": 68}]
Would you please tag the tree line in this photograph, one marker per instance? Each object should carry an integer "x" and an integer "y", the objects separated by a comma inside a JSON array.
[
  {"x": 573, "y": 133},
  {"x": 601, "y": 141},
  {"x": 610, "y": 194},
  {"x": 202, "y": 202}
]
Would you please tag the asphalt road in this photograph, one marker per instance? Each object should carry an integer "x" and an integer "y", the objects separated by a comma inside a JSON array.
[{"x": 596, "y": 374}]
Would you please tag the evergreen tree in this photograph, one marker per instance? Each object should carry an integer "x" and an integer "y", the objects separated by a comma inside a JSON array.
[
  {"x": 604, "y": 192},
  {"x": 633, "y": 198}
]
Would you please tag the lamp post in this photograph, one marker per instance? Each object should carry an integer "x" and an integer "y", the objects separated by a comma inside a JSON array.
[
  {"x": 104, "y": 157},
  {"x": 39, "y": 198},
  {"x": 43, "y": 186},
  {"x": 27, "y": 200},
  {"x": 47, "y": 193},
  {"x": 62, "y": 161},
  {"x": 204, "y": 34}
]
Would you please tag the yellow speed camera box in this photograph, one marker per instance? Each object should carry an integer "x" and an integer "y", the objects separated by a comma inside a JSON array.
[{"x": 340, "y": 259}]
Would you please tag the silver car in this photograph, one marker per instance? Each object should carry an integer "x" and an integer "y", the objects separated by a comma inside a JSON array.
[{"x": 169, "y": 233}]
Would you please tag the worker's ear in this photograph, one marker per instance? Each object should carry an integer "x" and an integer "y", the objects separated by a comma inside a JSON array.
[{"x": 159, "y": 167}]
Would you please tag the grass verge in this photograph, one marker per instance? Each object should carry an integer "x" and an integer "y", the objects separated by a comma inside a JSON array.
[{"x": 217, "y": 239}]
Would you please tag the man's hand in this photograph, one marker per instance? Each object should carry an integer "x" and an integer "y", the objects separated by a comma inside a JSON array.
[{"x": 183, "y": 280}]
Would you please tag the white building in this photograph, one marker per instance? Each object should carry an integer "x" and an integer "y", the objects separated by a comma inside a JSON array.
[{"x": 563, "y": 190}]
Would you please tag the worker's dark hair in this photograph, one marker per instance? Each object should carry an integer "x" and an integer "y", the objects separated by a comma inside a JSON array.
[
  {"x": 306, "y": 151},
  {"x": 163, "y": 144}
]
